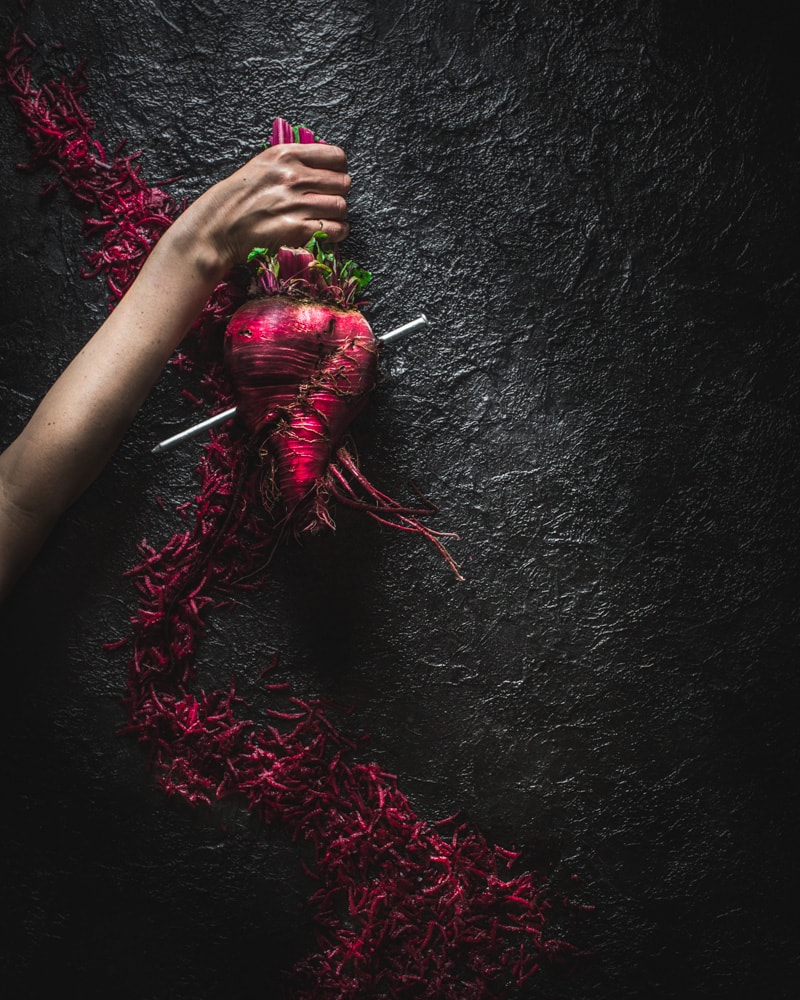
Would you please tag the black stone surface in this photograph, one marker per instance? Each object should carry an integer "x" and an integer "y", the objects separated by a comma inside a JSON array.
[{"x": 597, "y": 206}]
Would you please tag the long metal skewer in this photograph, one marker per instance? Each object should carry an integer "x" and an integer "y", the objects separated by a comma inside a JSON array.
[{"x": 220, "y": 418}]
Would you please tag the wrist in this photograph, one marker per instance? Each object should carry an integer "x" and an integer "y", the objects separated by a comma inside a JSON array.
[{"x": 189, "y": 244}]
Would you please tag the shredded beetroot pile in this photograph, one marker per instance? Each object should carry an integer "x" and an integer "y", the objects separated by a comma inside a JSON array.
[
  {"x": 119, "y": 206},
  {"x": 404, "y": 908}
]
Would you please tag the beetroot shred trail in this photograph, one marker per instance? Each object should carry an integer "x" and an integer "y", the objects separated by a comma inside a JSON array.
[{"x": 403, "y": 908}]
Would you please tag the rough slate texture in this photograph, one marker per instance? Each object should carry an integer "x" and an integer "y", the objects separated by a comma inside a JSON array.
[{"x": 597, "y": 205}]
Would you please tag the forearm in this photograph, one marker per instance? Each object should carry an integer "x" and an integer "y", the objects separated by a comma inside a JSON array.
[
  {"x": 81, "y": 420},
  {"x": 100, "y": 392}
]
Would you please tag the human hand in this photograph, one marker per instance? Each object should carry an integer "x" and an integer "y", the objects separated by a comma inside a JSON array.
[{"x": 279, "y": 198}]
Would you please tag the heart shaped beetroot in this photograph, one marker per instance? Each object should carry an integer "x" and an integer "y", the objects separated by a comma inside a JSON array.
[{"x": 302, "y": 371}]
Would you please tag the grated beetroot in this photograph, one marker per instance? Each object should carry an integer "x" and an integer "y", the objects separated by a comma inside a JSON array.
[
  {"x": 119, "y": 206},
  {"x": 403, "y": 907}
]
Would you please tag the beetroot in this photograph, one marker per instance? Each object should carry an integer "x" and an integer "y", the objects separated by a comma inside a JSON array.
[{"x": 302, "y": 360}]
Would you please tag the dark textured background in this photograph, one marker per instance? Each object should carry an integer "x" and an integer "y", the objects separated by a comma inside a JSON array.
[{"x": 597, "y": 205}]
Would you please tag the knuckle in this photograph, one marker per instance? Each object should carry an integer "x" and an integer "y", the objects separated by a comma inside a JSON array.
[
  {"x": 291, "y": 176},
  {"x": 293, "y": 232}
]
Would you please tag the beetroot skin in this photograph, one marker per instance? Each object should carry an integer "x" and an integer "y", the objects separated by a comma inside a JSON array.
[{"x": 302, "y": 371}]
